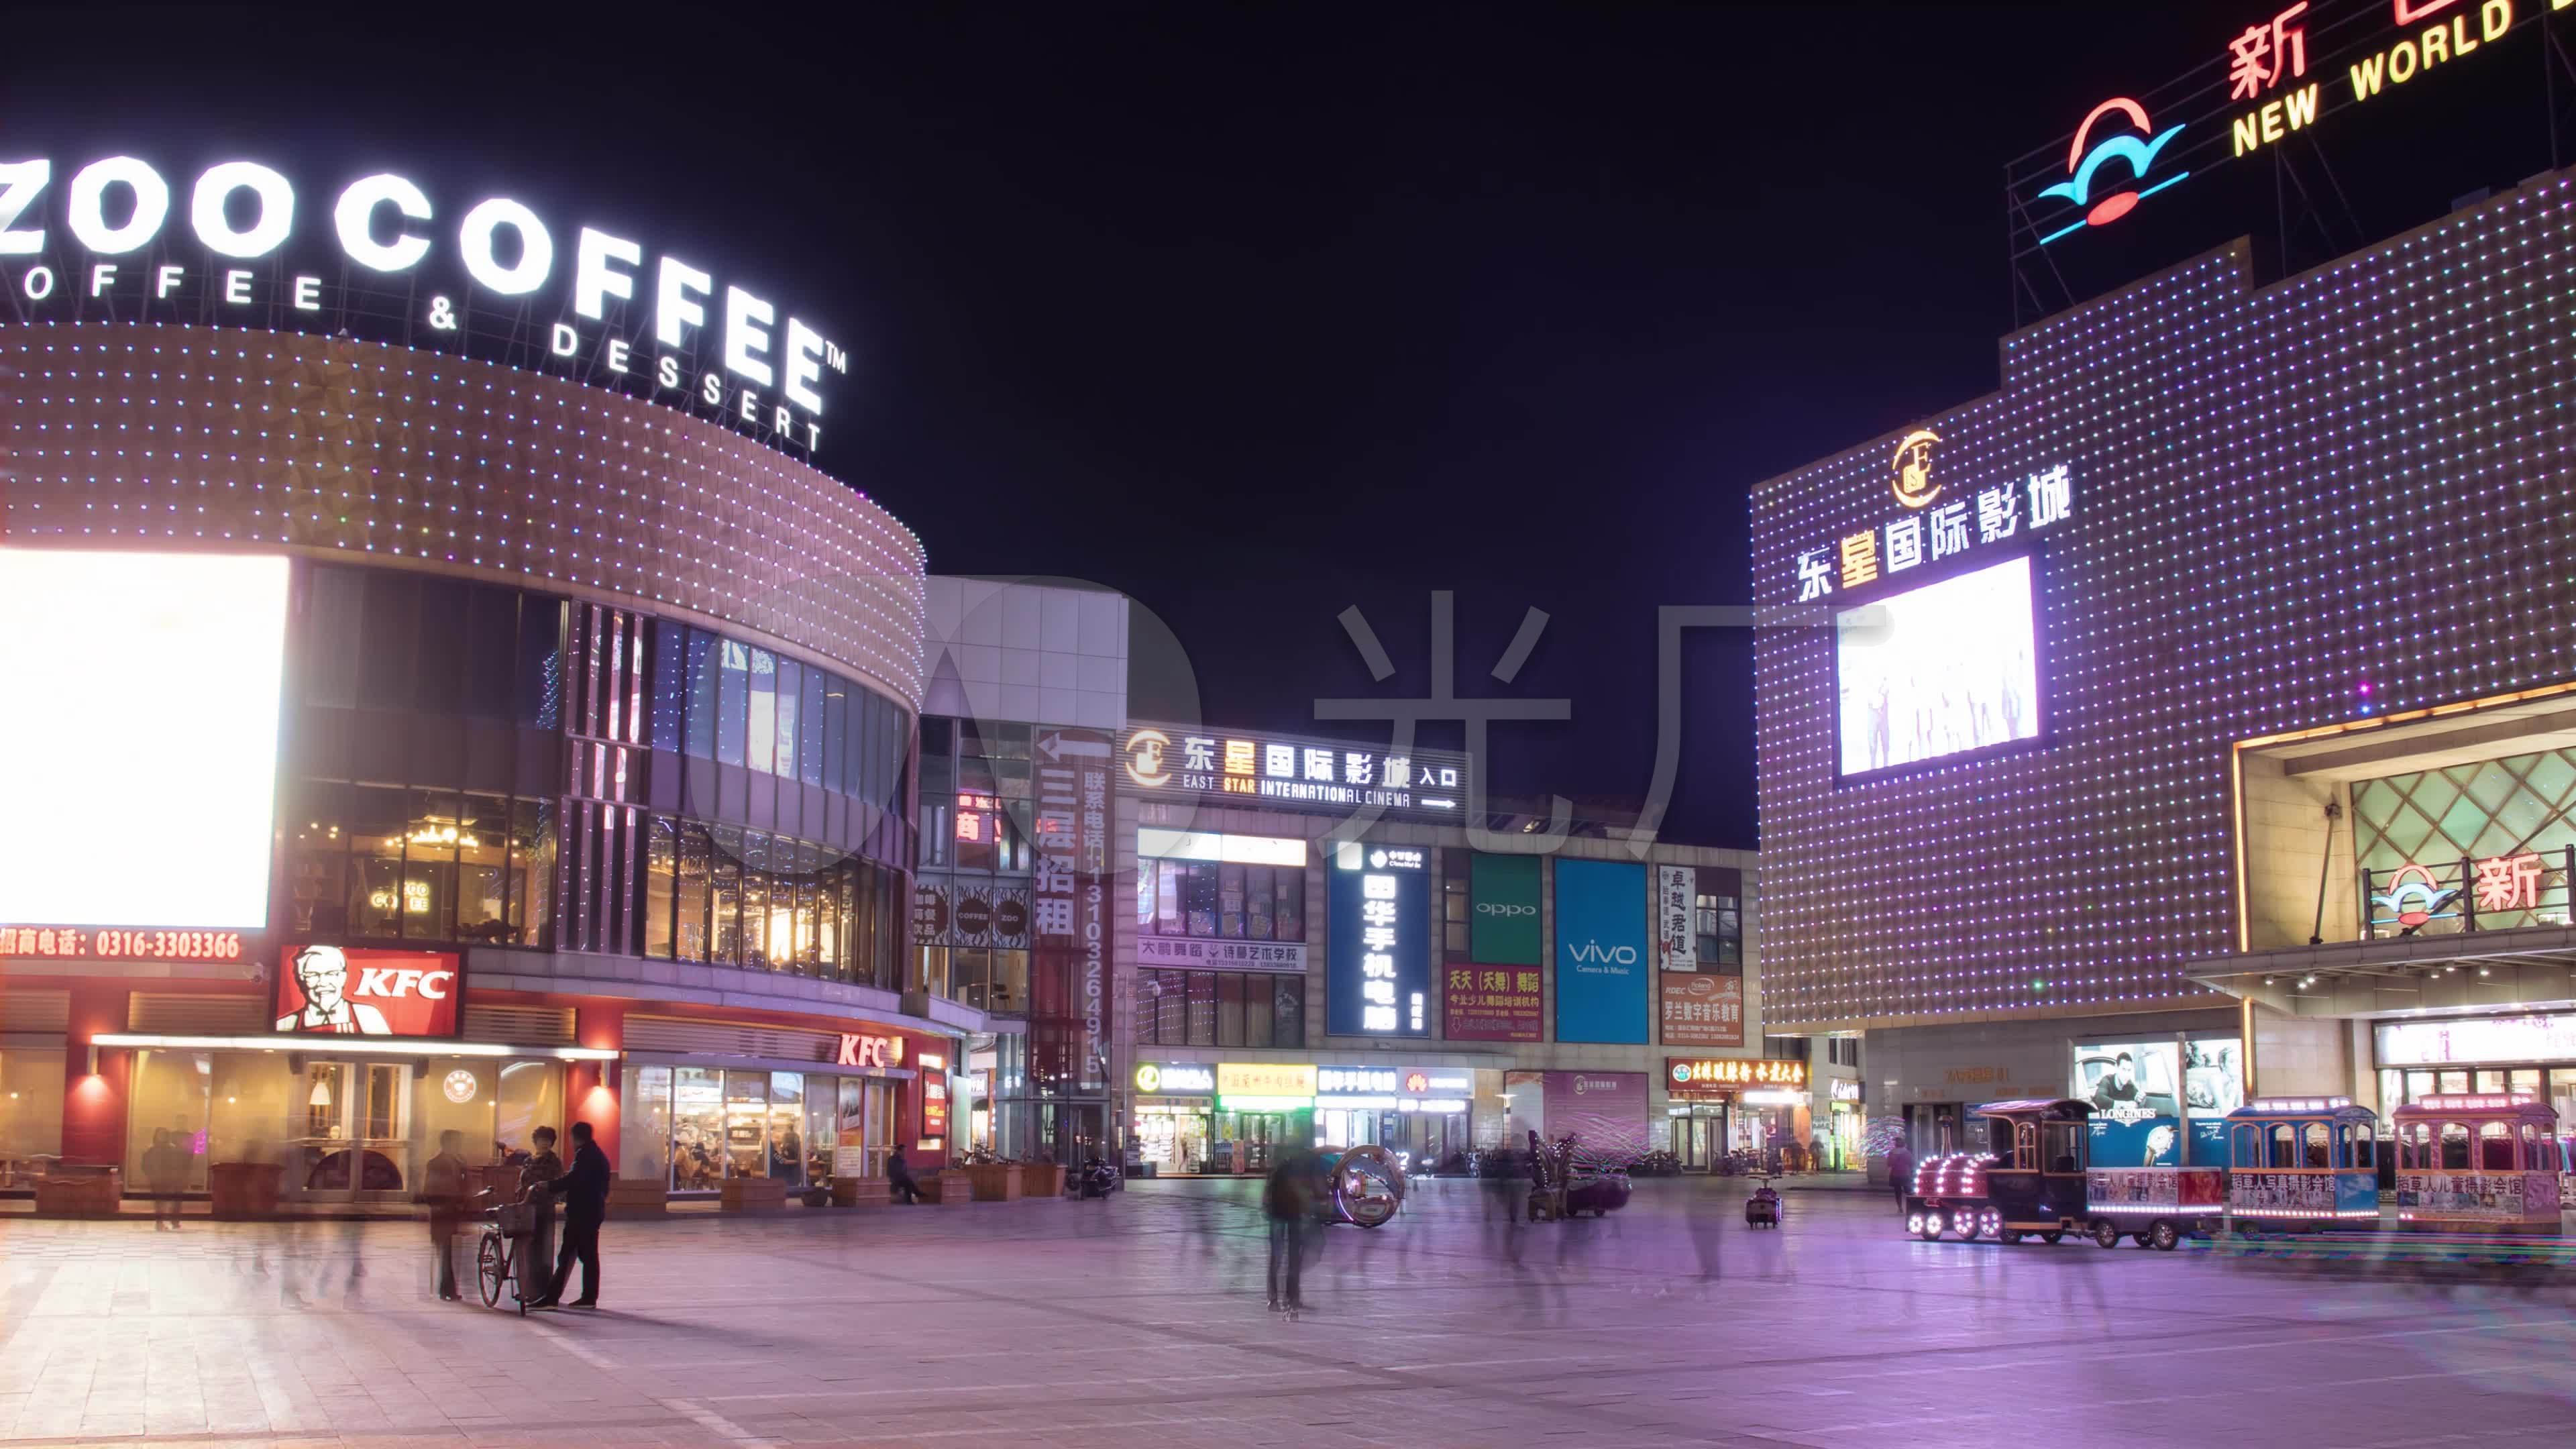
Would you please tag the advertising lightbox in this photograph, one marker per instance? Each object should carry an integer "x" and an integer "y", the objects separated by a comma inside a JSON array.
[
  {"x": 2143, "y": 1092},
  {"x": 1945, "y": 669},
  {"x": 1601, "y": 964},
  {"x": 142, "y": 736},
  {"x": 1380, "y": 982},
  {"x": 1502, "y": 915},
  {"x": 346, "y": 991}
]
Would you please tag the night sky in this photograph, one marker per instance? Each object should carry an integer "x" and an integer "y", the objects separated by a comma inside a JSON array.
[{"x": 1255, "y": 314}]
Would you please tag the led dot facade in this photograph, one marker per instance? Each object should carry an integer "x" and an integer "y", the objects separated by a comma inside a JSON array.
[{"x": 2293, "y": 506}]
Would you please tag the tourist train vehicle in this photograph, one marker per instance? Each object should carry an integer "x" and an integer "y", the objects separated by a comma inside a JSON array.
[
  {"x": 2303, "y": 1164},
  {"x": 2474, "y": 1164},
  {"x": 2478, "y": 1163}
]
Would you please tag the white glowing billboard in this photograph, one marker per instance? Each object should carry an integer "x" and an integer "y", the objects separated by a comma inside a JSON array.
[
  {"x": 1939, "y": 670},
  {"x": 140, "y": 735}
]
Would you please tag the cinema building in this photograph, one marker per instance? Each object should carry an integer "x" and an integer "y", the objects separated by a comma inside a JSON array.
[
  {"x": 1318, "y": 946},
  {"x": 2194, "y": 716},
  {"x": 434, "y": 746}
]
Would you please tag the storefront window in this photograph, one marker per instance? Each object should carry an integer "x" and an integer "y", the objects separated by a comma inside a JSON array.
[
  {"x": 530, "y": 1097},
  {"x": 31, "y": 1113},
  {"x": 661, "y": 877},
  {"x": 644, "y": 1123},
  {"x": 733, "y": 700},
  {"x": 167, "y": 1099},
  {"x": 1220, "y": 1008},
  {"x": 726, "y": 897},
  {"x": 697, "y": 1129},
  {"x": 482, "y": 869},
  {"x": 786, "y": 1127},
  {"x": 746, "y": 1096},
  {"x": 532, "y": 872},
  {"x": 376, "y": 819}
]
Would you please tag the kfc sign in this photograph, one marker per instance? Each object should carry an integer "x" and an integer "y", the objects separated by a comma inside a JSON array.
[
  {"x": 869, "y": 1051},
  {"x": 345, "y": 991}
]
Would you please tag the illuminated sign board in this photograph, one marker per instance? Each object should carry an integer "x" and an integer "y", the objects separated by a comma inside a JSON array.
[
  {"x": 1291, "y": 772},
  {"x": 1996, "y": 513},
  {"x": 2472, "y": 1040},
  {"x": 1379, "y": 983},
  {"x": 1260, "y": 1086},
  {"x": 1165, "y": 1079},
  {"x": 65, "y": 943},
  {"x": 198, "y": 638},
  {"x": 348, "y": 991},
  {"x": 239, "y": 241},
  {"x": 1728, "y": 1072}
]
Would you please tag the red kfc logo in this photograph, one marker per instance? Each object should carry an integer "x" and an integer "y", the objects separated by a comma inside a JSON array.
[{"x": 345, "y": 991}]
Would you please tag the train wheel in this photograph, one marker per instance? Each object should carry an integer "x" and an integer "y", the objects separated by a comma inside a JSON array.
[
  {"x": 1931, "y": 1227},
  {"x": 1969, "y": 1228},
  {"x": 2051, "y": 1236},
  {"x": 2164, "y": 1237},
  {"x": 2010, "y": 1235},
  {"x": 2106, "y": 1232}
]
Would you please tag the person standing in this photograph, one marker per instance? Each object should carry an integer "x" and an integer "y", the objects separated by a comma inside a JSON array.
[
  {"x": 443, "y": 1188},
  {"x": 165, "y": 1166},
  {"x": 536, "y": 1255},
  {"x": 1900, "y": 1172},
  {"x": 1288, "y": 1200},
  {"x": 584, "y": 1190}
]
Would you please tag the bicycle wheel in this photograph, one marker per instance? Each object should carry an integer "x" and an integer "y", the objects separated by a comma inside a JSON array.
[{"x": 491, "y": 1265}]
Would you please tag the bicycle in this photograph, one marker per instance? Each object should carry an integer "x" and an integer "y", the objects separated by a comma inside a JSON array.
[{"x": 506, "y": 1227}]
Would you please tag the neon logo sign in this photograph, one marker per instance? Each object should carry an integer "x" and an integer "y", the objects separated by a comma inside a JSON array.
[
  {"x": 2413, "y": 898},
  {"x": 1914, "y": 486},
  {"x": 2137, "y": 152}
]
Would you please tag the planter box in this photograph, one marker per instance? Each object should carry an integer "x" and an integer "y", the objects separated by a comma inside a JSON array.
[
  {"x": 954, "y": 1187},
  {"x": 80, "y": 1193},
  {"x": 637, "y": 1197},
  {"x": 861, "y": 1192},
  {"x": 243, "y": 1191},
  {"x": 1042, "y": 1179},
  {"x": 995, "y": 1181},
  {"x": 754, "y": 1195}
]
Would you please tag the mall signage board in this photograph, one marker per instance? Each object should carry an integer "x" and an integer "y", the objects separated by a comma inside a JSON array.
[
  {"x": 1175, "y": 1079},
  {"x": 1502, "y": 910},
  {"x": 1491, "y": 1003},
  {"x": 1283, "y": 956},
  {"x": 1676, "y": 936},
  {"x": 325, "y": 990},
  {"x": 1290, "y": 772},
  {"x": 1069, "y": 909},
  {"x": 1379, "y": 980},
  {"x": 244, "y": 243},
  {"x": 1265, "y": 1086},
  {"x": 2477, "y": 1040},
  {"x": 1701, "y": 1008},
  {"x": 1601, "y": 962}
]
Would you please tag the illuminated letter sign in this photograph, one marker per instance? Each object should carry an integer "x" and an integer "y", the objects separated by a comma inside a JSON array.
[
  {"x": 345, "y": 991},
  {"x": 2133, "y": 154}
]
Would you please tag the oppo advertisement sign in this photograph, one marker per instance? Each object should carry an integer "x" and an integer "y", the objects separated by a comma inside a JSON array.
[
  {"x": 1502, "y": 922},
  {"x": 1601, "y": 963}
]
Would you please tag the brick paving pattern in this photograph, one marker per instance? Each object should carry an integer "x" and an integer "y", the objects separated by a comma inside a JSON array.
[{"x": 1138, "y": 1324}]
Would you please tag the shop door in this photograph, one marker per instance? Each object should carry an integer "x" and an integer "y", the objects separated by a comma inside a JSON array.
[
  {"x": 1690, "y": 1143},
  {"x": 356, "y": 1143},
  {"x": 1261, "y": 1134}
]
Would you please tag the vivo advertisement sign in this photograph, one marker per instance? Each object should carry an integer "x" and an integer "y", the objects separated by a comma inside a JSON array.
[
  {"x": 1601, "y": 964},
  {"x": 1380, "y": 983}
]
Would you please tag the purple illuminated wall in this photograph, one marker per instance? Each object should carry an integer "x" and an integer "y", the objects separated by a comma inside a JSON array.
[{"x": 2355, "y": 476}]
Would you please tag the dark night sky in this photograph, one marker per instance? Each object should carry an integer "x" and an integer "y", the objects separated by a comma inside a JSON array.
[{"x": 1256, "y": 314}]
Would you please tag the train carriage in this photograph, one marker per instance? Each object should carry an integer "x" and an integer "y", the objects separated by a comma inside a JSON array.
[
  {"x": 2482, "y": 1162},
  {"x": 2303, "y": 1164},
  {"x": 2030, "y": 1180}
]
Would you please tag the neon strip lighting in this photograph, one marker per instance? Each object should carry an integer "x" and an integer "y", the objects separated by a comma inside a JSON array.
[
  {"x": 2062, "y": 231},
  {"x": 1265, "y": 1104},
  {"x": 2247, "y": 1212},
  {"x": 350, "y": 1046},
  {"x": 2163, "y": 1210},
  {"x": 2161, "y": 185}
]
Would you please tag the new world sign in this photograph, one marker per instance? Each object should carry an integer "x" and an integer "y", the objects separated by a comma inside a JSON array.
[{"x": 119, "y": 238}]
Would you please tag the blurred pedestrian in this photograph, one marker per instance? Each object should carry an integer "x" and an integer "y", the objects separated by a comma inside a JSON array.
[
  {"x": 584, "y": 1190},
  {"x": 1288, "y": 1199},
  {"x": 536, "y": 1255},
  {"x": 443, "y": 1189},
  {"x": 165, "y": 1167},
  {"x": 899, "y": 1180},
  {"x": 1900, "y": 1171}
]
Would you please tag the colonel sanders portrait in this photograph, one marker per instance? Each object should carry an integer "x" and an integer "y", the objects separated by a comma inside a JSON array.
[{"x": 323, "y": 974}]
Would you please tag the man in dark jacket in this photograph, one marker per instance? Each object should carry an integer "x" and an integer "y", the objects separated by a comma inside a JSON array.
[
  {"x": 584, "y": 1189},
  {"x": 1900, "y": 1172},
  {"x": 1288, "y": 1200}
]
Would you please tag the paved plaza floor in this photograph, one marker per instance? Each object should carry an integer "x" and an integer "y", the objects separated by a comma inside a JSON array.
[{"x": 1139, "y": 1324}]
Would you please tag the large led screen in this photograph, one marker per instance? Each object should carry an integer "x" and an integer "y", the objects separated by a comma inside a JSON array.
[
  {"x": 141, "y": 736},
  {"x": 1940, "y": 670}
]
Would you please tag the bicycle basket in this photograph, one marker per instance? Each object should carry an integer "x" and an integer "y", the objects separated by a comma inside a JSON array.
[{"x": 516, "y": 1219}]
